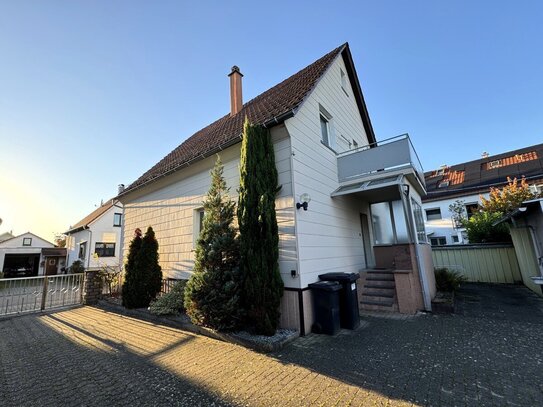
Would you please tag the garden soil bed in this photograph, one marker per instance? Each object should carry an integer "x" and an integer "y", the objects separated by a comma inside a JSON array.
[
  {"x": 259, "y": 343},
  {"x": 443, "y": 303}
]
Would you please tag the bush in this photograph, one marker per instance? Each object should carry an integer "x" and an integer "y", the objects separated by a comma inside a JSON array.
[
  {"x": 170, "y": 303},
  {"x": 480, "y": 228},
  {"x": 447, "y": 280},
  {"x": 76, "y": 267}
]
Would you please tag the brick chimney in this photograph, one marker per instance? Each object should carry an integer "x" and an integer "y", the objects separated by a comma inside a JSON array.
[{"x": 236, "y": 99}]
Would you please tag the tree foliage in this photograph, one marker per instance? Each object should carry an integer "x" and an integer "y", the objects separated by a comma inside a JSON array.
[
  {"x": 480, "y": 226},
  {"x": 508, "y": 198},
  {"x": 259, "y": 238},
  {"x": 213, "y": 293},
  {"x": 143, "y": 274}
]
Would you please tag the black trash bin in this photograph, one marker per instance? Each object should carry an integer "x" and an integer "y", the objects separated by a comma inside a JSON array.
[
  {"x": 348, "y": 298},
  {"x": 326, "y": 307}
]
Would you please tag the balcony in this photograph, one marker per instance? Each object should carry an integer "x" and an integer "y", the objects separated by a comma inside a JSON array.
[{"x": 387, "y": 158}]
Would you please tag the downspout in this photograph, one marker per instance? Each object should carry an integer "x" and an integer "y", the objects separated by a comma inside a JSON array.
[
  {"x": 89, "y": 249},
  {"x": 413, "y": 237},
  {"x": 537, "y": 247}
]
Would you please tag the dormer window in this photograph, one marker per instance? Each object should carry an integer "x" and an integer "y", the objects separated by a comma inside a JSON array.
[
  {"x": 495, "y": 164},
  {"x": 443, "y": 184}
]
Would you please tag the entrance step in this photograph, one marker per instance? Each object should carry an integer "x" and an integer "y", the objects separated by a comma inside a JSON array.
[
  {"x": 385, "y": 289},
  {"x": 379, "y": 294},
  {"x": 377, "y": 291}
]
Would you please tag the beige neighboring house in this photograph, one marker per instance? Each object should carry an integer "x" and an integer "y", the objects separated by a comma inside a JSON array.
[
  {"x": 347, "y": 202},
  {"x": 96, "y": 239},
  {"x": 29, "y": 255}
]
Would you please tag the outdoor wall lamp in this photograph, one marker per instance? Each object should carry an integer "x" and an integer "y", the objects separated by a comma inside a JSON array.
[{"x": 304, "y": 200}]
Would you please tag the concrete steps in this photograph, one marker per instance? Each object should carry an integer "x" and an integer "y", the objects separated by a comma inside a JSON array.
[{"x": 377, "y": 290}]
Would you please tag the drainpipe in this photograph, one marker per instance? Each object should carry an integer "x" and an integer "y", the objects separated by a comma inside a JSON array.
[
  {"x": 537, "y": 247},
  {"x": 413, "y": 237},
  {"x": 89, "y": 248}
]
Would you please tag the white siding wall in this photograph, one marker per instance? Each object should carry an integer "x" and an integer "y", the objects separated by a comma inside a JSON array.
[
  {"x": 329, "y": 232},
  {"x": 169, "y": 206},
  {"x": 100, "y": 231},
  {"x": 444, "y": 226}
]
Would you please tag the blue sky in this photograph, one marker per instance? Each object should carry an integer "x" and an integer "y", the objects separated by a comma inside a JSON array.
[{"x": 93, "y": 93}]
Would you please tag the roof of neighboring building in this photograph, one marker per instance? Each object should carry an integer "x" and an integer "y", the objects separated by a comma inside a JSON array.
[
  {"x": 5, "y": 236},
  {"x": 478, "y": 176},
  {"x": 269, "y": 108},
  {"x": 91, "y": 217},
  {"x": 26, "y": 233}
]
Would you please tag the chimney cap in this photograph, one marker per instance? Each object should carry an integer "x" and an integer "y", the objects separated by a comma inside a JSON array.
[{"x": 235, "y": 69}]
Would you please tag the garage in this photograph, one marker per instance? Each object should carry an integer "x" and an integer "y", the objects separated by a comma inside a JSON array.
[
  {"x": 21, "y": 265},
  {"x": 29, "y": 255}
]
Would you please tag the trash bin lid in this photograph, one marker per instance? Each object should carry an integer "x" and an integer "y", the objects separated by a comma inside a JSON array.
[
  {"x": 339, "y": 277},
  {"x": 325, "y": 286}
]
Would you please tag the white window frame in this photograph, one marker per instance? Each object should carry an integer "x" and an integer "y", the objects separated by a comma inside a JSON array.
[
  {"x": 436, "y": 238},
  {"x": 432, "y": 209},
  {"x": 343, "y": 79},
  {"x": 197, "y": 223}
]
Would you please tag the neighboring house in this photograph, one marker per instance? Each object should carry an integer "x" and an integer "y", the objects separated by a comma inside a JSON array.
[
  {"x": 526, "y": 226},
  {"x": 6, "y": 236},
  {"x": 96, "y": 239},
  {"x": 468, "y": 181},
  {"x": 363, "y": 197},
  {"x": 29, "y": 255}
]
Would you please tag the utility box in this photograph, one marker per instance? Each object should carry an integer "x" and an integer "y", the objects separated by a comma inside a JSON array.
[
  {"x": 326, "y": 307},
  {"x": 348, "y": 298}
]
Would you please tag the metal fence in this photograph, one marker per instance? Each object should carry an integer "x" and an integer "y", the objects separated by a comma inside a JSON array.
[
  {"x": 28, "y": 294},
  {"x": 480, "y": 263}
]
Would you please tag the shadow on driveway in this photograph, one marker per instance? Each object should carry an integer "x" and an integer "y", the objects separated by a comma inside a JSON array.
[{"x": 489, "y": 353}]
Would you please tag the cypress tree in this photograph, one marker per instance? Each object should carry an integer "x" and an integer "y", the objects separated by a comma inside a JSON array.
[
  {"x": 212, "y": 294},
  {"x": 147, "y": 262},
  {"x": 259, "y": 237},
  {"x": 143, "y": 276},
  {"x": 131, "y": 287}
]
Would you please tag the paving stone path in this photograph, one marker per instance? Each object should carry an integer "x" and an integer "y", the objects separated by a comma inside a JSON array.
[{"x": 489, "y": 354}]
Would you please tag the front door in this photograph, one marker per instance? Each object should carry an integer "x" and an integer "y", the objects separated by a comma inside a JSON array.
[
  {"x": 51, "y": 266},
  {"x": 366, "y": 240}
]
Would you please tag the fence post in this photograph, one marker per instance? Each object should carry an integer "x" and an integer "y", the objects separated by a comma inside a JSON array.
[
  {"x": 92, "y": 287},
  {"x": 44, "y": 291}
]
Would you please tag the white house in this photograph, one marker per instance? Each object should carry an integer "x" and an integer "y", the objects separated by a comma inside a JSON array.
[
  {"x": 467, "y": 182},
  {"x": 363, "y": 198},
  {"x": 29, "y": 255},
  {"x": 96, "y": 239}
]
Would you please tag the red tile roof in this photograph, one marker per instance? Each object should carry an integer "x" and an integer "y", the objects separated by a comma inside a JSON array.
[{"x": 264, "y": 109}]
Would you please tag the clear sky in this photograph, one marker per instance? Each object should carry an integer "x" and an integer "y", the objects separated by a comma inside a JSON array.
[{"x": 93, "y": 93}]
